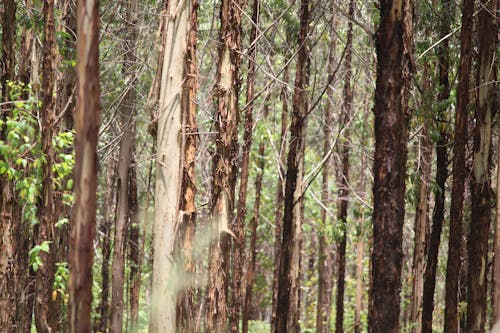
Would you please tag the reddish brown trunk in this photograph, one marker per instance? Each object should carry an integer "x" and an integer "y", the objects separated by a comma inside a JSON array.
[
  {"x": 239, "y": 245},
  {"x": 451, "y": 320},
  {"x": 185, "y": 300},
  {"x": 391, "y": 134},
  {"x": 84, "y": 208},
  {"x": 288, "y": 280},
  {"x": 44, "y": 305},
  {"x": 480, "y": 185},
  {"x": 224, "y": 163}
]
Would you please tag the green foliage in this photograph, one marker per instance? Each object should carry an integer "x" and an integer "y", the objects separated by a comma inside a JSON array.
[
  {"x": 34, "y": 253},
  {"x": 61, "y": 281}
]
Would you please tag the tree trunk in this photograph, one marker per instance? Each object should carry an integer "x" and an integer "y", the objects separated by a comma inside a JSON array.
[
  {"x": 8, "y": 221},
  {"x": 278, "y": 211},
  {"x": 391, "y": 135},
  {"x": 169, "y": 167},
  {"x": 480, "y": 185},
  {"x": 239, "y": 244},
  {"x": 224, "y": 164},
  {"x": 127, "y": 110},
  {"x": 44, "y": 232},
  {"x": 441, "y": 172},
  {"x": 185, "y": 300},
  {"x": 134, "y": 255},
  {"x": 343, "y": 182},
  {"x": 101, "y": 324},
  {"x": 451, "y": 324},
  {"x": 84, "y": 208},
  {"x": 288, "y": 281}
]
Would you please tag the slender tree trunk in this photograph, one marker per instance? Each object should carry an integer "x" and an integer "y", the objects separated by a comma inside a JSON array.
[
  {"x": 253, "y": 231},
  {"x": 185, "y": 300},
  {"x": 421, "y": 226},
  {"x": 126, "y": 150},
  {"x": 134, "y": 255},
  {"x": 84, "y": 208},
  {"x": 451, "y": 323},
  {"x": 391, "y": 135},
  {"x": 325, "y": 251},
  {"x": 278, "y": 211},
  {"x": 8, "y": 221},
  {"x": 101, "y": 324},
  {"x": 169, "y": 167},
  {"x": 239, "y": 246},
  {"x": 343, "y": 182},
  {"x": 480, "y": 186},
  {"x": 441, "y": 172},
  {"x": 288, "y": 281},
  {"x": 45, "y": 230},
  {"x": 224, "y": 164}
]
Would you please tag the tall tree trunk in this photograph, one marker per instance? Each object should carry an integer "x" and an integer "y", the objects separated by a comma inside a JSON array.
[
  {"x": 325, "y": 250},
  {"x": 253, "y": 232},
  {"x": 9, "y": 223},
  {"x": 451, "y": 324},
  {"x": 224, "y": 164},
  {"x": 288, "y": 281},
  {"x": 441, "y": 172},
  {"x": 47, "y": 216},
  {"x": 278, "y": 211},
  {"x": 422, "y": 213},
  {"x": 169, "y": 166},
  {"x": 239, "y": 246},
  {"x": 84, "y": 208},
  {"x": 134, "y": 255},
  {"x": 185, "y": 299},
  {"x": 391, "y": 135},
  {"x": 101, "y": 324},
  {"x": 480, "y": 185},
  {"x": 343, "y": 182},
  {"x": 127, "y": 109}
]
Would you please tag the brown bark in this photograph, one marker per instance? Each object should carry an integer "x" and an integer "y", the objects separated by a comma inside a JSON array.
[
  {"x": 451, "y": 323},
  {"x": 134, "y": 255},
  {"x": 45, "y": 230},
  {"x": 278, "y": 211},
  {"x": 185, "y": 300},
  {"x": 127, "y": 109},
  {"x": 480, "y": 185},
  {"x": 343, "y": 182},
  {"x": 239, "y": 243},
  {"x": 288, "y": 280},
  {"x": 441, "y": 172},
  {"x": 84, "y": 208},
  {"x": 224, "y": 163},
  {"x": 391, "y": 134},
  {"x": 8, "y": 221},
  {"x": 101, "y": 324}
]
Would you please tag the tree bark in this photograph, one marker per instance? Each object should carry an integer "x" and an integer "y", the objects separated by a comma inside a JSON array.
[
  {"x": 84, "y": 208},
  {"x": 224, "y": 164},
  {"x": 288, "y": 282},
  {"x": 343, "y": 182},
  {"x": 391, "y": 135},
  {"x": 169, "y": 167},
  {"x": 45, "y": 230},
  {"x": 127, "y": 110},
  {"x": 185, "y": 300},
  {"x": 480, "y": 185},
  {"x": 134, "y": 255},
  {"x": 451, "y": 321},
  {"x": 239, "y": 244}
]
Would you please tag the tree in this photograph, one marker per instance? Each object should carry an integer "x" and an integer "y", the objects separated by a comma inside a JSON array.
[
  {"x": 480, "y": 185},
  {"x": 287, "y": 310},
  {"x": 391, "y": 130},
  {"x": 459, "y": 171},
  {"x": 84, "y": 208},
  {"x": 169, "y": 167}
]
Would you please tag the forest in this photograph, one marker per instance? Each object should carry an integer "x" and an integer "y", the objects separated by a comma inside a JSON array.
[{"x": 249, "y": 166}]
